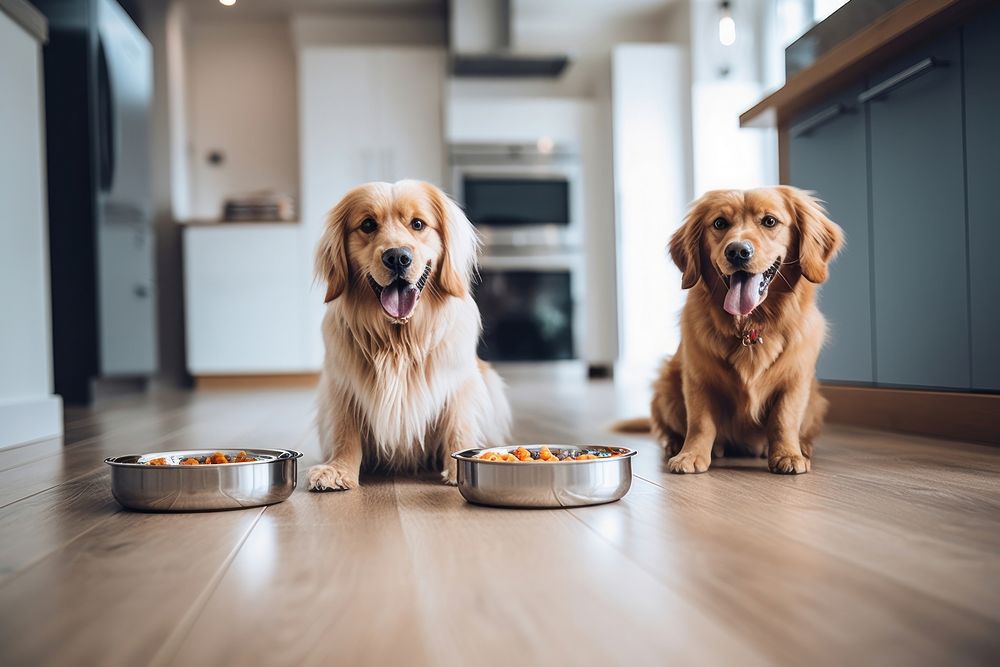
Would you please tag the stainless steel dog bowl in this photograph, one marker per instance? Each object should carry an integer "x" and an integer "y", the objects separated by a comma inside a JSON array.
[
  {"x": 176, "y": 488},
  {"x": 545, "y": 484}
]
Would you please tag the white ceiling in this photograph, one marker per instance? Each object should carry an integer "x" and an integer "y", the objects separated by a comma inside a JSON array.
[
  {"x": 587, "y": 9},
  {"x": 523, "y": 9},
  {"x": 261, "y": 8}
]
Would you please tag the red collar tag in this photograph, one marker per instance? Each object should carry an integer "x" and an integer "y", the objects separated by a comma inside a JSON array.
[{"x": 751, "y": 337}]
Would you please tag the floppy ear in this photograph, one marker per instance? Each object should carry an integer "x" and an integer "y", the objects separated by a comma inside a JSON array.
[
  {"x": 332, "y": 264},
  {"x": 461, "y": 244},
  {"x": 685, "y": 247},
  {"x": 820, "y": 239}
]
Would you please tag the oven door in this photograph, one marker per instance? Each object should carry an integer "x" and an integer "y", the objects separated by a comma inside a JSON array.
[
  {"x": 530, "y": 308},
  {"x": 522, "y": 205}
]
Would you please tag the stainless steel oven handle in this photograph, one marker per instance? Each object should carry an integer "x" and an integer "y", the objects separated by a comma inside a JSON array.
[{"x": 897, "y": 80}]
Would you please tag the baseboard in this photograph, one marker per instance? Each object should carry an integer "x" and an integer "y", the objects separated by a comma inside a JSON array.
[
  {"x": 27, "y": 420},
  {"x": 954, "y": 415},
  {"x": 262, "y": 381}
]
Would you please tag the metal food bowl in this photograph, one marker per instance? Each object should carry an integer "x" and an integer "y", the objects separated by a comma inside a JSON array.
[
  {"x": 543, "y": 483},
  {"x": 178, "y": 488}
]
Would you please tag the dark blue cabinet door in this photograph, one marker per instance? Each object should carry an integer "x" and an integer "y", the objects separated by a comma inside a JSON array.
[
  {"x": 828, "y": 154},
  {"x": 918, "y": 219},
  {"x": 982, "y": 132}
]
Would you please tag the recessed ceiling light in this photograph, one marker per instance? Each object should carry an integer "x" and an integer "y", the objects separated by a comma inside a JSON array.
[
  {"x": 227, "y": 3},
  {"x": 727, "y": 26}
]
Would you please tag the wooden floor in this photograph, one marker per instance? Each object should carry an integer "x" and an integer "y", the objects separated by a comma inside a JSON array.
[{"x": 887, "y": 553}]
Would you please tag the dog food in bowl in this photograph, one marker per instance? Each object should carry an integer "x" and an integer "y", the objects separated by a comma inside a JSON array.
[
  {"x": 215, "y": 458},
  {"x": 196, "y": 480},
  {"x": 544, "y": 454},
  {"x": 565, "y": 475}
]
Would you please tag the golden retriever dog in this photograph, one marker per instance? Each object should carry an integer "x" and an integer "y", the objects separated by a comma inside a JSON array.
[
  {"x": 401, "y": 386},
  {"x": 744, "y": 375}
]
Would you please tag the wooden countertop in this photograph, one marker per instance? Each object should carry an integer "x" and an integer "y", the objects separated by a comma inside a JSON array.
[{"x": 884, "y": 39}]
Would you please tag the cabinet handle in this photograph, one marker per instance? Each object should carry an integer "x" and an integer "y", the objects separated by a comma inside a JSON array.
[
  {"x": 823, "y": 117},
  {"x": 897, "y": 80}
]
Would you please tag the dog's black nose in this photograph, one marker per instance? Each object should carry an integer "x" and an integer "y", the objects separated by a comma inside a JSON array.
[
  {"x": 739, "y": 252},
  {"x": 397, "y": 259}
]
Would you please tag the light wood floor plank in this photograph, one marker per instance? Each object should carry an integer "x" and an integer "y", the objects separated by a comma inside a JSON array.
[
  {"x": 536, "y": 587},
  {"x": 112, "y": 597},
  {"x": 888, "y": 552},
  {"x": 328, "y": 576},
  {"x": 43, "y": 522}
]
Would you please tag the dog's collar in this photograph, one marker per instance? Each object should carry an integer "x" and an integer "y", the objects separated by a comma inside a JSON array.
[{"x": 750, "y": 336}]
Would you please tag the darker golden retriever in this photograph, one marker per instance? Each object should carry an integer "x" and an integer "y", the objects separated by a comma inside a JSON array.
[{"x": 743, "y": 376}]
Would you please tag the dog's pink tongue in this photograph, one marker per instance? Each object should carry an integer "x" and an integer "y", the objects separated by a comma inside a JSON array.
[
  {"x": 744, "y": 293},
  {"x": 399, "y": 299}
]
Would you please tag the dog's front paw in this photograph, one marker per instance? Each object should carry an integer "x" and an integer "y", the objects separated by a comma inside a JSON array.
[
  {"x": 331, "y": 478},
  {"x": 450, "y": 473},
  {"x": 788, "y": 464},
  {"x": 688, "y": 462}
]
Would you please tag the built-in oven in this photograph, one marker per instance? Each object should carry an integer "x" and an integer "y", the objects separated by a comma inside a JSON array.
[
  {"x": 531, "y": 307},
  {"x": 525, "y": 201},
  {"x": 518, "y": 195}
]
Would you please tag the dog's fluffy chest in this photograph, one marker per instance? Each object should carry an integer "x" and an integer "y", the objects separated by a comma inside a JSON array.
[
  {"x": 401, "y": 408},
  {"x": 756, "y": 368}
]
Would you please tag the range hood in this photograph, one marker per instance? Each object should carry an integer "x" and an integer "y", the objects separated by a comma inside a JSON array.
[{"x": 480, "y": 39}]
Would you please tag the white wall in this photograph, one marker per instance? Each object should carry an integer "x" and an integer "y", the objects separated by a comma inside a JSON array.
[
  {"x": 28, "y": 411},
  {"x": 651, "y": 185},
  {"x": 726, "y": 81},
  {"x": 242, "y": 101}
]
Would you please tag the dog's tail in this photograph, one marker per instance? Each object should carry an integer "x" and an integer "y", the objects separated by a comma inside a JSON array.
[{"x": 636, "y": 425}]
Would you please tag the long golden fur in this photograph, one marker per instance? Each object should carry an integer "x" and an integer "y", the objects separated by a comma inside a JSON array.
[
  {"x": 716, "y": 393},
  {"x": 401, "y": 390}
]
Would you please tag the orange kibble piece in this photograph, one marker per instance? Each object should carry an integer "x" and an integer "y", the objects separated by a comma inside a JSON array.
[
  {"x": 522, "y": 454},
  {"x": 157, "y": 462},
  {"x": 584, "y": 457},
  {"x": 190, "y": 462}
]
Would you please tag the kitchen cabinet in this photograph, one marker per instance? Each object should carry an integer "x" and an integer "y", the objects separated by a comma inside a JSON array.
[
  {"x": 243, "y": 298},
  {"x": 828, "y": 154},
  {"x": 919, "y": 218},
  {"x": 369, "y": 114},
  {"x": 982, "y": 99},
  {"x": 127, "y": 286}
]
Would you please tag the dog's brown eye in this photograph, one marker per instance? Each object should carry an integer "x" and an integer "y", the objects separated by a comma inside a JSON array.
[
  {"x": 369, "y": 226},
  {"x": 417, "y": 224},
  {"x": 720, "y": 223},
  {"x": 769, "y": 221}
]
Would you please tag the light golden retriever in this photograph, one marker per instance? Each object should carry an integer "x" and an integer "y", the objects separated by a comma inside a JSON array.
[
  {"x": 401, "y": 386},
  {"x": 743, "y": 377}
]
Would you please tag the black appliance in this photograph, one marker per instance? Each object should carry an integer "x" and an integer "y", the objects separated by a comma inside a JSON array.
[
  {"x": 516, "y": 202},
  {"x": 98, "y": 97},
  {"x": 527, "y": 315}
]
